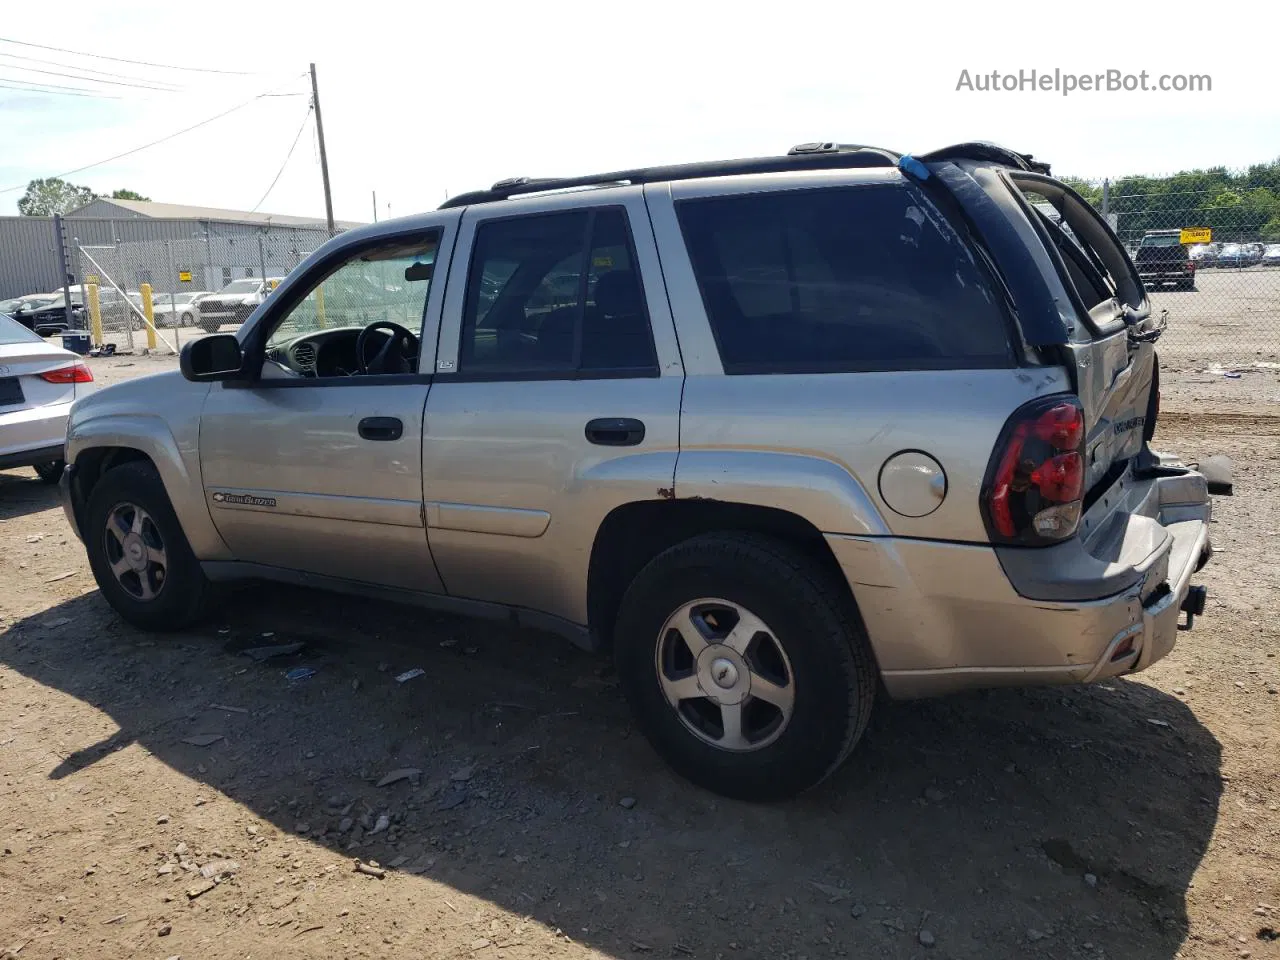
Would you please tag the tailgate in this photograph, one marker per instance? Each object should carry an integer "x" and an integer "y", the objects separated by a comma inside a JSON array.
[{"x": 1114, "y": 380}]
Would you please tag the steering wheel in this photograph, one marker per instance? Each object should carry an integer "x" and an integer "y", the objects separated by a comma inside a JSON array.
[{"x": 398, "y": 348}]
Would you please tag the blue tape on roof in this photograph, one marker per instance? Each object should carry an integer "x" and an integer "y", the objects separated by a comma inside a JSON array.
[
  {"x": 1037, "y": 312},
  {"x": 913, "y": 167}
]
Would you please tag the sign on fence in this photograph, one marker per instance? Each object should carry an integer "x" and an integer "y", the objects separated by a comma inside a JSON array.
[
  {"x": 1195, "y": 235},
  {"x": 184, "y": 276}
]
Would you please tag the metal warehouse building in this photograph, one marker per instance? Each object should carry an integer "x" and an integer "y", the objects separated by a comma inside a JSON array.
[{"x": 137, "y": 242}]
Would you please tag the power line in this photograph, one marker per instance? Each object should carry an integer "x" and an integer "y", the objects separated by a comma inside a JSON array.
[
  {"x": 59, "y": 93},
  {"x": 75, "y": 76},
  {"x": 287, "y": 156},
  {"x": 72, "y": 66},
  {"x": 136, "y": 63},
  {"x": 146, "y": 146},
  {"x": 57, "y": 86}
]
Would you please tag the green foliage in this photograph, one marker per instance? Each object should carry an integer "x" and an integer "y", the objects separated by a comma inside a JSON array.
[
  {"x": 1236, "y": 206},
  {"x": 50, "y": 195}
]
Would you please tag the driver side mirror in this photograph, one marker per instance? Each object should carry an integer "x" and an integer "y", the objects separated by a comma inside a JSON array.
[{"x": 218, "y": 356}]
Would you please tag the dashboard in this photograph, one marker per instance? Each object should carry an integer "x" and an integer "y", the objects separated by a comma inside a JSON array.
[{"x": 329, "y": 353}]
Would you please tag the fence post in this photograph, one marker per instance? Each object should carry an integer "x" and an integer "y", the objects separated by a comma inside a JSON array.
[
  {"x": 95, "y": 313},
  {"x": 148, "y": 311},
  {"x": 262, "y": 263},
  {"x": 1106, "y": 198},
  {"x": 60, "y": 238},
  {"x": 173, "y": 297}
]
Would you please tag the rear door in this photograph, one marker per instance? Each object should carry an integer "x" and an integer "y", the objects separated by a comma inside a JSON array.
[
  {"x": 1113, "y": 347},
  {"x": 556, "y": 397}
]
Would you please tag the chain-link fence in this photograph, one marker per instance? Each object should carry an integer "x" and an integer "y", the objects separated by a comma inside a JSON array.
[
  {"x": 197, "y": 286},
  {"x": 1207, "y": 244}
]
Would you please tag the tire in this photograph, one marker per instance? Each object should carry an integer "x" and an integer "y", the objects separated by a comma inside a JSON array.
[
  {"x": 179, "y": 596},
  {"x": 187, "y": 319},
  {"x": 50, "y": 472},
  {"x": 808, "y": 616},
  {"x": 209, "y": 326}
]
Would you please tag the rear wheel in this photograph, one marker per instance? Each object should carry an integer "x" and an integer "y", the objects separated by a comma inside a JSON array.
[
  {"x": 187, "y": 318},
  {"x": 209, "y": 326},
  {"x": 745, "y": 664},
  {"x": 138, "y": 553},
  {"x": 50, "y": 472}
]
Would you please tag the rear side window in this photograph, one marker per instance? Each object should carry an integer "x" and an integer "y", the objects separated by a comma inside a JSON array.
[
  {"x": 556, "y": 294},
  {"x": 843, "y": 279}
]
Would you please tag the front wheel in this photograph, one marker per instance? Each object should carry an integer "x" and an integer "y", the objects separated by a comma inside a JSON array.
[
  {"x": 187, "y": 318},
  {"x": 745, "y": 664},
  {"x": 139, "y": 555}
]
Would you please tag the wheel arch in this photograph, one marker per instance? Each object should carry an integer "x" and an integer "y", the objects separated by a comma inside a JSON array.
[
  {"x": 633, "y": 534},
  {"x": 94, "y": 447}
]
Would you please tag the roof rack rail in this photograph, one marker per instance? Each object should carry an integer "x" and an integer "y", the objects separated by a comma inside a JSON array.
[
  {"x": 837, "y": 157},
  {"x": 818, "y": 155}
]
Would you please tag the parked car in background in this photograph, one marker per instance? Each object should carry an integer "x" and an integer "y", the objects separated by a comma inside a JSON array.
[
  {"x": 15, "y": 305},
  {"x": 1231, "y": 255},
  {"x": 1163, "y": 259},
  {"x": 47, "y": 314},
  {"x": 38, "y": 383},
  {"x": 1271, "y": 255},
  {"x": 1253, "y": 253},
  {"x": 234, "y": 302},
  {"x": 781, "y": 435},
  {"x": 178, "y": 309},
  {"x": 1204, "y": 254}
]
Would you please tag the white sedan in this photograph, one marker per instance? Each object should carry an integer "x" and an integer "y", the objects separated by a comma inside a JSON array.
[
  {"x": 38, "y": 384},
  {"x": 176, "y": 309}
]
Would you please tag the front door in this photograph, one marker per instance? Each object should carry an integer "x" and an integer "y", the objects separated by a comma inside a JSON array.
[
  {"x": 556, "y": 398},
  {"x": 316, "y": 465}
]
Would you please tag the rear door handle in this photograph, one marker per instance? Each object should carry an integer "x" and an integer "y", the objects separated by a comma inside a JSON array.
[
  {"x": 615, "y": 431},
  {"x": 381, "y": 428}
]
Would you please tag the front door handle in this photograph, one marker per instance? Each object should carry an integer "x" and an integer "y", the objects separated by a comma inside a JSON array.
[
  {"x": 381, "y": 428},
  {"x": 615, "y": 431}
]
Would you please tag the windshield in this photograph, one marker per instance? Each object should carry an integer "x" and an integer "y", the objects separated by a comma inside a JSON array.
[
  {"x": 13, "y": 332},
  {"x": 242, "y": 286}
]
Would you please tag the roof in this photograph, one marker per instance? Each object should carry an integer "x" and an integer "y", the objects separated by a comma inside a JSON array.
[
  {"x": 825, "y": 155},
  {"x": 180, "y": 211}
]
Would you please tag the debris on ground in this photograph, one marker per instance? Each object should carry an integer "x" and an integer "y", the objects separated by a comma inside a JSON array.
[
  {"x": 223, "y": 706},
  {"x": 404, "y": 773},
  {"x": 370, "y": 869},
  {"x": 834, "y": 894},
  {"x": 272, "y": 651},
  {"x": 300, "y": 673},
  {"x": 1217, "y": 471},
  {"x": 927, "y": 939},
  {"x": 218, "y": 869},
  {"x": 383, "y": 822},
  {"x": 410, "y": 675},
  {"x": 463, "y": 774},
  {"x": 627, "y": 803},
  {"x": 203, "y": 739},
  {"x": 200, "y": 889}
]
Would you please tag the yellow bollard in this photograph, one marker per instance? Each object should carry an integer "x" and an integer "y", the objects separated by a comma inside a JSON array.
[
  {"x": 320, "y": 319},
  {"x": 95, "y": 313},
  {"x": 149, "y": 311}
]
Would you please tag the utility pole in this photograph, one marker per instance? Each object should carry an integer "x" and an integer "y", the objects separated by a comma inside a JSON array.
[
  {"x": 375, "y": 206},
  {"x": 60, "y": 240},
  {"x": 324, "y": 160}
]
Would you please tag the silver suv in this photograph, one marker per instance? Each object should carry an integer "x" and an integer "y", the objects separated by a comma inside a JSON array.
[{"x": 782, "y": 435}]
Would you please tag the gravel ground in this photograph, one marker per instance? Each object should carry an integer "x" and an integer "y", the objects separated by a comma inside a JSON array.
[{"x": 1139, "y": 818}]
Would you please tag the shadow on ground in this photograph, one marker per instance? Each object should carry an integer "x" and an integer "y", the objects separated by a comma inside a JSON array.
[
  {"x": 1060, "y": 822},
  {"x": 22, "y": 493}
]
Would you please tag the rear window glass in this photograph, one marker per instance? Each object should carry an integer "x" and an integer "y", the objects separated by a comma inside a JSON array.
[
  {"x": 11, "y": 331},
  {"x": 843, "y": 279},
  {"x": 1161, "y": 240}
]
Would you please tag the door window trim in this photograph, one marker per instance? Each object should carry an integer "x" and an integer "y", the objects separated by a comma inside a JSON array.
[
  {"x": 517, "y": 376},
  {"x": 254, "y": 343}
]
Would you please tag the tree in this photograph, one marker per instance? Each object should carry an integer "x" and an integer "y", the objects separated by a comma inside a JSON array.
[
  {"x": 50, "y": 195},
  {"x": 128, "y": 195}
]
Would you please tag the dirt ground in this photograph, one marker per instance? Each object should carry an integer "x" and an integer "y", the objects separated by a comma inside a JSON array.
[{"x": 1139, "y": 818}]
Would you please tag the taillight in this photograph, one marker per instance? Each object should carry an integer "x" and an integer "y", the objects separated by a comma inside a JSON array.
[
  {"x": 1035, "y": 483},
  {"x": 75, "y": 373}
]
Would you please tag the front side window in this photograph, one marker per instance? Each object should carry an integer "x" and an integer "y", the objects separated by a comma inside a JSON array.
[
  {"x": 555, "y": 293},
  {"x": 869, "y": 277},
  {"x": 387, "y": 286}
]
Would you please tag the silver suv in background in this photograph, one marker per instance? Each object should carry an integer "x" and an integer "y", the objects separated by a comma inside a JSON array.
[
  {"x": 781, "y": 435},
  {"x": 233, "y": 303}
]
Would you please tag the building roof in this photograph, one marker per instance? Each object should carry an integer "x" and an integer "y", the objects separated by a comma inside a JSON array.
[{"x": 181, "y": 211}]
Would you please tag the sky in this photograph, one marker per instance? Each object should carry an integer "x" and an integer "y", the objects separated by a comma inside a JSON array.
[{"x": 422, "y": 100}]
